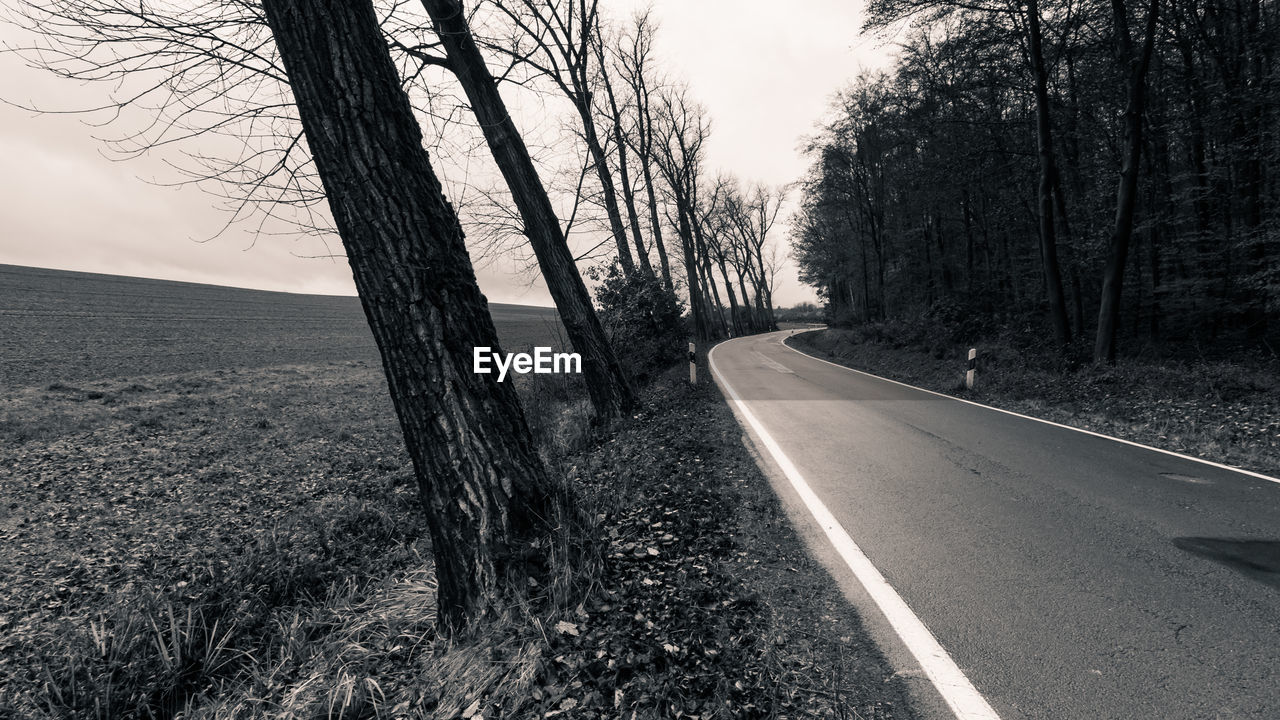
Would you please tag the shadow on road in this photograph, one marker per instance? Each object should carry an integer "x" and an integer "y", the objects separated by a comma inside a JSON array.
[{"x": 1258, "y": 559}]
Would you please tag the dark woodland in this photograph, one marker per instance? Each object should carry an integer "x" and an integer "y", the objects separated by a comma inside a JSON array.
[{"x": 1098, "y": 170}]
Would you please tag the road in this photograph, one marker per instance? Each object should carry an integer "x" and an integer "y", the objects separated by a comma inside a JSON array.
[{"x": 1066, "y": 575}]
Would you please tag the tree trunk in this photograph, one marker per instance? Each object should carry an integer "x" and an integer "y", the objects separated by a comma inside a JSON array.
[
  {"x": 704, "y": 269},
  {"x": 607, "y": 385},
  {"x": 1044, "y": 145},
  {"x": 484, "y": 490},
  {"x": 582, "y": 101},
  {"x": 656, "y": 227},
  {"x": 709, "y": 281},
  {"x": 733, "y": 300},
  {"x": 1104, "y": 346},
  {"x": 752, "y": 324},
  {"x": 1073, "y": 264},
  {"x": 624, "y": 177},
  {"x": 701, "y": 327},
  {"x": 765, "y": 291}
]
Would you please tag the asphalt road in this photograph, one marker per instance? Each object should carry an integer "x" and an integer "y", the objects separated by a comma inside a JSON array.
[{"x": 1067, "y": 575}]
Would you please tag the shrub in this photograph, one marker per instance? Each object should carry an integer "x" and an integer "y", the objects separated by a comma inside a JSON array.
[
  {"x": 642, "y": 319},
  {"x": 802, "y": 313}
]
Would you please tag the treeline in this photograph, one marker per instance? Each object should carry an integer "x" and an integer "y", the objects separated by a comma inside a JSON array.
[
  {"x": 1104, "y": 166},
  {"x": 644, "y": 138}
]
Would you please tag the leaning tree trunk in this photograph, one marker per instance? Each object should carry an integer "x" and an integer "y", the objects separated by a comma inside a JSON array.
[
  {"x": 733, "y": 300},
  {"x": 656, "y": 225},
  {"x": 624, "y": 176},
  {"x": 1044, "y": 146},
  {"x": 1104, "y": 346},
  {"x": 611, "y": 394},
  {"x": 752, "y": 324},
  {"x": 486, "y": 495}
]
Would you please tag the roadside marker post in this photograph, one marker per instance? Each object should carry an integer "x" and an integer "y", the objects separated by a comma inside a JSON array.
[
  {"x": 693, "y": 364},
  {"x": 973, "y": 369}
]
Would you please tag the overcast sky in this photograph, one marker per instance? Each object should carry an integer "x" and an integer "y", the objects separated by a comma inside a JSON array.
[{"x": 764, "y": 71}]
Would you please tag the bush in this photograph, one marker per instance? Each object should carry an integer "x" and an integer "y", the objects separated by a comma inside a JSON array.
[
  {"x": 643, "y": 320},
  {"x": 802, "y": 313}
]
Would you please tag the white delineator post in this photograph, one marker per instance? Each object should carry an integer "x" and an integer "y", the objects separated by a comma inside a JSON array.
[
  {"x": 973, "y": 369},
  {"x": 693, "y": 364}
]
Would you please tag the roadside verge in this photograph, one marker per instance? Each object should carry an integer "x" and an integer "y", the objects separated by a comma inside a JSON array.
[{"x": 722, "y": 611}]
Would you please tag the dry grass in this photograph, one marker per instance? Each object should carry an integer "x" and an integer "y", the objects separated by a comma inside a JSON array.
[
  {"x": 160, "y": 531},
  {"x": 247, "y": 544}
]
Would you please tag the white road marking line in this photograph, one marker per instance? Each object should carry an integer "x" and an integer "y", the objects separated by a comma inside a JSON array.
[
  {"x": 960, "y": 695},
  {"x": 1202, "y": 461}
]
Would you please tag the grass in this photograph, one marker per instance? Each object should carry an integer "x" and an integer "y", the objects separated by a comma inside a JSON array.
[
  {"x": 247, "y": 544},
  {"x": 161, "y": 531},
  {"x": 211, "y": 515},
  {"x": 1223, "y": 409},
  {"x": 70, "y": 328}
]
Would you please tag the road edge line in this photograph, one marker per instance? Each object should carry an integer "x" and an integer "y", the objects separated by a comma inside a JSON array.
[
  {"x": 961, "y": 696},
  {"x": 1173, "y": 453}
]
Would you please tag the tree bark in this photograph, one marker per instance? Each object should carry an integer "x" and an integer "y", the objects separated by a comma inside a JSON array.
[
  {"x": 484, "y": 490},
  {"x": 610, "y": 392}
]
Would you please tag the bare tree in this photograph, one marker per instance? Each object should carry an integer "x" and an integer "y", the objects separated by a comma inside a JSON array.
[
  {"x": 557, "y": 39},
  {"x": 615, "y": 118},
  {"x": 1027, "y": 16},
  {"x": 749, "y": 218},
  {"x": 1176, "y": 97},
  {"x": 214, "y": 77},
  {"x": 487, "y": 497},
  {"x": 336, "y": 129},
  {"x": 680, "y": 129},
  {"x": 1048, "y": 175},
  {"x": 719, "y": 238},
  {"x": 611, "y": 394},
  {"x": 634, "y": 55},
  {"x": 179, "y": 73},
  {"x": 761, "y": 207}
]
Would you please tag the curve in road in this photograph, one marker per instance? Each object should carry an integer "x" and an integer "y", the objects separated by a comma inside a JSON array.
[{"x": 1067, "y": 575}]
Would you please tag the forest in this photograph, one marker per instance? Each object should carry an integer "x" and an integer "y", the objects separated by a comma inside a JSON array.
[{"x": 1099, "y": 172}]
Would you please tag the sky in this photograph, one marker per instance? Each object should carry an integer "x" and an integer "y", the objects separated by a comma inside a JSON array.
[{"x": 764, "y": 71}]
